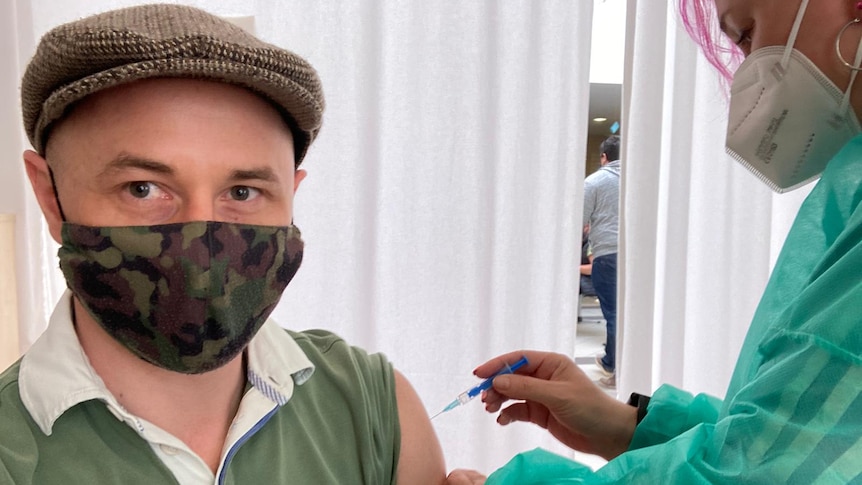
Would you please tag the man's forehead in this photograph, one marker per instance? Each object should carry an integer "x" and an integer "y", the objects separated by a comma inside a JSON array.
[
  {"x": 134, "y": 98},
  {"x": 162, "y": 118}
]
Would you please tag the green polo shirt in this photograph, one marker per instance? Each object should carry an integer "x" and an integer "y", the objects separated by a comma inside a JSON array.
[{"x": 316, "y": 411}]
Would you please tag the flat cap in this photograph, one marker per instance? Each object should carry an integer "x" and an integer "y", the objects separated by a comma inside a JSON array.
[{"x": 83, "y": 57}]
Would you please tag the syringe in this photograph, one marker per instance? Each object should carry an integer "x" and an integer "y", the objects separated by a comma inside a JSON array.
[{"x": 469, "y": 394}]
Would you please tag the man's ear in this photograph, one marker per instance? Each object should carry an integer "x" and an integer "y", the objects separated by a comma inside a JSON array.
[
  {"x": 298, "y": 177},
  {"x": 43, "y": 187}
]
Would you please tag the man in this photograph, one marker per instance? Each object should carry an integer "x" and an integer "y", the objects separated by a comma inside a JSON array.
[
  {"x": 167, "y": 152},
  {"x": 602, "y": 213}
]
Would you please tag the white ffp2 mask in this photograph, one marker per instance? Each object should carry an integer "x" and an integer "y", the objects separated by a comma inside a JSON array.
[{"x": 787, "y": 119}]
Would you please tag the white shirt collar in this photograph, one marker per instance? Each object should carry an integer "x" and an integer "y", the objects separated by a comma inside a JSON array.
[{"x": 55, "y": 374}]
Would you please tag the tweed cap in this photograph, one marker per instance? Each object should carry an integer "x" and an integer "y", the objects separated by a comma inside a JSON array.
[{"x": 83, "y": 57}]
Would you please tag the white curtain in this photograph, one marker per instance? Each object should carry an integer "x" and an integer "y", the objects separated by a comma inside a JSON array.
[
  {"x": 700, "y": 234},
  {"x": 442, "y": 209},
  {"x": 37, "y": 279},
  {"x": 8, "y": 293}
]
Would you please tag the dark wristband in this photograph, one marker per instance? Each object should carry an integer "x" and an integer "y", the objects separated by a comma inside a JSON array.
[{"x": 641, "y": 402}]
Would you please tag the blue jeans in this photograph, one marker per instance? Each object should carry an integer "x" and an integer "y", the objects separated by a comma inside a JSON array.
[{"x": 605, "y": 283}]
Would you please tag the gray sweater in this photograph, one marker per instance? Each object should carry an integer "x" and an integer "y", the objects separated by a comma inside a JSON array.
[{"x": 602, "y": 208}]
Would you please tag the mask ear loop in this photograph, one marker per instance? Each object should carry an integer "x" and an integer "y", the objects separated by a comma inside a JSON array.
[
  {"x": 794, "y": 31},
  {"x": 56, "y": 195},
  {"x": 63, "y": 218}
]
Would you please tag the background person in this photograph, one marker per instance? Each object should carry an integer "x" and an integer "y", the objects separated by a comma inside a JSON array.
[
  {"x": 602, "y": 215},
  {"x": 586, "y": 267}
]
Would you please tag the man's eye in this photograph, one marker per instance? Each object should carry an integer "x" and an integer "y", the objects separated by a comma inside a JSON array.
[
  {"x": 140, "y": 190},
  {"x": 241, "y": 192}
]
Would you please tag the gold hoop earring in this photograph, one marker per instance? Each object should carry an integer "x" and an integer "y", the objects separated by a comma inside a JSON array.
[{"x": 838, "y": 41}]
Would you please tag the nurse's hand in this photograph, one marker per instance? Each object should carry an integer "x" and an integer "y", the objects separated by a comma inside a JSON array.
[
  {"x": 462, "y": 476},
  {"x": 556, "y": 395}
]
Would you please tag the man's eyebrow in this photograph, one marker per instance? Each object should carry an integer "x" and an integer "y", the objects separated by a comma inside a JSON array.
[
  {"x": 125, "y": 161},
  {"x": 264, "y": 174}
]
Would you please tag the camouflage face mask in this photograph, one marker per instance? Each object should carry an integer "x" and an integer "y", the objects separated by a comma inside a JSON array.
[{"x": 186, "y": 297}]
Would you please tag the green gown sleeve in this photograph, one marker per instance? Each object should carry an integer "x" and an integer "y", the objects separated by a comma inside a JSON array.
[
  {"x": 672, "y": 412},
  {"x": 793, "y": 411},
  {"x": 798, "y": 421}
]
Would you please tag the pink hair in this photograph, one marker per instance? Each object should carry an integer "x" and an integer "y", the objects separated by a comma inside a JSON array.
[{"x": 701, "y": 23}]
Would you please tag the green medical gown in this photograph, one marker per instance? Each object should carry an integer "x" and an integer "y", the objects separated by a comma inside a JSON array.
[{"x": 793, "y": 410}]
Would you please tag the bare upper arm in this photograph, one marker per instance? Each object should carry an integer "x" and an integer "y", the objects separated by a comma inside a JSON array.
[{"x": 421, "y": 458}]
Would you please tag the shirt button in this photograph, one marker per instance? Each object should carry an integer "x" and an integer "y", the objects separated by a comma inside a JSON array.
[{"x": 169, "y": 450}]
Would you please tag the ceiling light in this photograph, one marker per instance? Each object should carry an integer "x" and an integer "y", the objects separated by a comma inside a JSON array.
[{"x": 600, "y": 120}]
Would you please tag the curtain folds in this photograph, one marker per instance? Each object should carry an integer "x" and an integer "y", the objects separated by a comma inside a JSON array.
[
  {"x": 9, "y": 351},
  {"x": 700, "y": 234},
  {"x": 37, "y": 278},
  {"x": 442, "y": 209}
]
